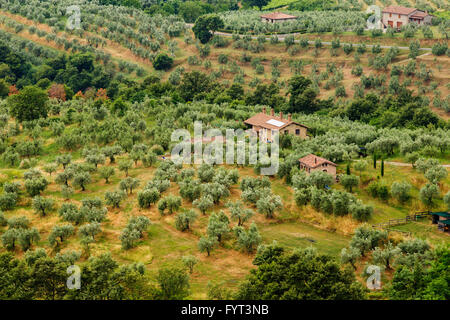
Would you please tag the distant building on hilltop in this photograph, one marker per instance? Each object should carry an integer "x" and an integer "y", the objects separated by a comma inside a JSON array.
[
  {"x": 265, "y": 125},
  {"x": 275, "y": 17},
  {"x": 396, "y": 17}
]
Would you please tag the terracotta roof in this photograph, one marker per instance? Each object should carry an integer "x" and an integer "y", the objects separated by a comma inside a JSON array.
[
  {"x": 419, "y": 15},
  {"x": 270, "y": 122},
  {"x": 277, "y": 16},
  {"x": 313, "y": 161},
  {"x": 399, "y": 10}
]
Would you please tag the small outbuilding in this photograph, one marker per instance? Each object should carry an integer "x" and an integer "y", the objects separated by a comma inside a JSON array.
[
  {"x": 442, "y": 219},
  {"x": 276, "y": 17},
  {"x": 312, "y": 163}
]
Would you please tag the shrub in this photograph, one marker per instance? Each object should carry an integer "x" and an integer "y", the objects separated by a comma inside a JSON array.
[{"x": 162, "y": 62}]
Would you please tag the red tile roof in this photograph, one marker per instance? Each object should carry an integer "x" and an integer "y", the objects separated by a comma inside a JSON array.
[
  {"x": 419, "y": 15},
  {"x": 262, "y": 120},
  {"x": 277, "y": 16},
  {"x": 399, "y": 10},
  {"x": 313, "y": 161}
]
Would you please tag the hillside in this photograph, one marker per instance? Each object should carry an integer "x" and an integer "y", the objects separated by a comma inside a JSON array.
[{"x": 90, "y": 117}]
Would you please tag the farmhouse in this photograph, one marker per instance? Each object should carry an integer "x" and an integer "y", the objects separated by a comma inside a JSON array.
[
  {"x": 265, "y": 125},
  {"x": 314, "y": 163},
  {"x": 396, "y": 17},
  {"x": 276, "y": 17}
]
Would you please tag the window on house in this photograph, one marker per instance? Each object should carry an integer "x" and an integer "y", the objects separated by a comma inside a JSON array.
[
  {"x": 399, "y": 16},
  {"x": 390, "y": 15},
  {"x": 297, "y": 131}
]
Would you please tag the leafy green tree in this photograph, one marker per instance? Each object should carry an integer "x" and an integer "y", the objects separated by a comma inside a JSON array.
[
  {"x": 50, "y": 168},
  {"x": 302, "y": 96},
  {"x": 256, "y": 3},
  {"x": 269, "y": 204},
  {"x": 10, "y": 237},
  {"x": 320, "y": 179},
  {"x": 190, "y": 190},
  {"x": 428, "y": 193},
  {"x": 436, "y": 174},
  {"x": 64, "y": 160},
  {"x": 401, "y": 191},
  {"x": 27, "y": 237},
  {"x": 112, "y": 152},
  {"x": 125, "y": 165},
  {"x": 349, "y": 181},
  {"x": 206, "y": 173},
  {"x": 206, "y": 244},
  {"x": 189, "y": 262},
  {"x": 366, "y": 239},
  {"x": 62, "y": 232},
  {"x": 350, "y": 255},
  {"x": 29, "y": 104},
  {"x": 8, "y": 200},
  {"x": 183, "y": 220},
  {"x": 81, "y": 179},
  {"x": 49, "y": 279},
  {"x": 192, "y": 84},
  {"x": 386, "y": 255},
  {"x": 360, "y": 211},
  {"x": 35, "y": 186},
  {"x": 4, "y": 88},
  {"x": 11, "y": 157},
  {"x": 218, "y": 226},
  {"x": 205, "y": 26},
  {"x": 216, "y": 190},
  {"x": 239, "y": 213},
  {"x": 117, "y": 282},
  {"x": 305, "y": 275},
  {"x": 173, "y": 283},
  {"x": 360, "y": 166},
  {"x": 162, "y": 62},
  {"x": 66, "y": 192},
  {"x": 106, "y": 173},
  {"x": 90, "y": 230},
  {"x": 204, "y": 203},
  {"x": 69, "y": 212},
  {"x": 42, "y": 205},
  {"x": 249, "y": 239},
  {"x": 147, "y": 197},
  {"x": 114, "y": 198},
  {"x": 129, "y": 184}
]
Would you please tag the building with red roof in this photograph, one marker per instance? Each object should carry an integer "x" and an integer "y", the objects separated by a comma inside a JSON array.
[
  {"x": 396, "y": 17},
  {"x": 265, "y": 125},
  {"x": 312, "y": 163},
  {"x": 275, "y": 17}
]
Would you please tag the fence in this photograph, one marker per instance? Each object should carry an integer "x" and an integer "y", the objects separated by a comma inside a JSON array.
[{"x": 395, "y": 222}]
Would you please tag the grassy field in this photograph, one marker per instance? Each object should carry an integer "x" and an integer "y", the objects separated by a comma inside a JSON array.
[{"x": 163, "y": 244}]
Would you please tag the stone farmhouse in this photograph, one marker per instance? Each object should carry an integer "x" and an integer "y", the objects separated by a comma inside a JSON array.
[
  {"x": 276, "y": 17},
  {"x": 312, "y": 163},
  {"x": 265, "y": 125},
  {"x": 396, "y": 17}
]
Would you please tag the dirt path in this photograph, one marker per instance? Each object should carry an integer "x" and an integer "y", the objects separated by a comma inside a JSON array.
[{"x": 402, "y": 164}]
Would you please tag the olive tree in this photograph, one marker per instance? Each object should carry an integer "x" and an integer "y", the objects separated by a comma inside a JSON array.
[
  {"x": 183, "y": 220},
  {"x": 267, "y": 205},
  {"x": 204, "y": 203},
  {"x": 401, "y": 191},
  {"x": 42, "y": 205}
]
